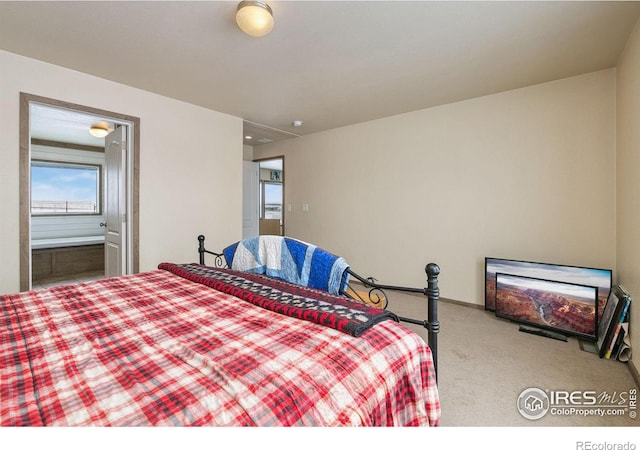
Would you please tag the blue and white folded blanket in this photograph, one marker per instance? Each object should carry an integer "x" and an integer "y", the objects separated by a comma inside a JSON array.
[{"x": 290, "y": 260}]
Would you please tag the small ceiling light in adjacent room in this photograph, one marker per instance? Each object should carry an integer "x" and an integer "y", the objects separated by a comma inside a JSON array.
[
  {"x": 99, "y": 130},
  {"x": 297, "y": 123},
  {"x": 255, "y": 18}
]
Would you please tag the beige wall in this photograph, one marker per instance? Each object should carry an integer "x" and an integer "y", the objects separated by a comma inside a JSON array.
[
  {"x": 247, "y": 153},
  {"x": 190, "y": 163},
  {"x": 628, "y": 174},
  {"x": 526, "y": 174}
]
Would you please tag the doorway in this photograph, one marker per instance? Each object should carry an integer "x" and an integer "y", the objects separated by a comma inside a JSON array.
[
  {"x": 63, "y": 233},
  {"x": 271, "y": 196}
]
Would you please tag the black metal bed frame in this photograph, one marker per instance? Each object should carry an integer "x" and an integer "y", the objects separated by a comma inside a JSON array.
[{"x": 377, "y": 296}]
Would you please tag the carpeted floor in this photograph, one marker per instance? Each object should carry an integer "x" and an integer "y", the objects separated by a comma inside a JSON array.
[{"x": 485, "y": 363}]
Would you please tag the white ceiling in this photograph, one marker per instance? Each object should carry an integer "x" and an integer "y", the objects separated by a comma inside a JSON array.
[
  {"x": 327, "y": 63},
  {"x": 63, "y": 125}
]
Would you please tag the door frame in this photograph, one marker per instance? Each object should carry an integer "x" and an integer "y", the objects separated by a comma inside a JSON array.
[{"x": 132, "y": 179}]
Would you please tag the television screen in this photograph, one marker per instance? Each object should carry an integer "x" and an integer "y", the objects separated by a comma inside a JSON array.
[
  {"x": 569, "y": 309},
  {"x": 586, "y": 276}
]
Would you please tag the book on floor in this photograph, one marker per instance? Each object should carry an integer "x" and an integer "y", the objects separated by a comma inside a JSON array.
[
  {"x": 615, "y": 311},
  {"x": 618, "y": 328}
]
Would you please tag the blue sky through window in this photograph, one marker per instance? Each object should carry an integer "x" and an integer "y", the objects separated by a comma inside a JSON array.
[{"x": 273, "y": 193}]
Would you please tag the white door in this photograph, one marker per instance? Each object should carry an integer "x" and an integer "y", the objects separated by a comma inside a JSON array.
[
  {"x": 250, "y": 199},
  {"x": 115, "y": 239}
]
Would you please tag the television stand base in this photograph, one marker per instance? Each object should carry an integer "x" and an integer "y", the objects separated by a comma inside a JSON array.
[
  {"x": 544, "y": 333},
  {"x": 588, "y": 346}
]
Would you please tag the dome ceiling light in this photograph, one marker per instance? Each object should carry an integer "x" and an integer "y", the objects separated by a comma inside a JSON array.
[
  {"x": 99, "y": 130},
  {"x": 255, "y": 18}
]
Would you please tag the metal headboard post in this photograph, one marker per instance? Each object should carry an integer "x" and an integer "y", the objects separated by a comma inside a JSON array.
[
  {"x": 201, "y": 249},
  {"x": 432, "y": 292}
]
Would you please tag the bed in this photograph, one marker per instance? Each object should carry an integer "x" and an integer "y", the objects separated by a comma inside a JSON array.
[{"x": 209, "y": 345}]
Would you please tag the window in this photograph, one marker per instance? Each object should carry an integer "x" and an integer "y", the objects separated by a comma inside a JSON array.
[
  {"x": 271, "y": 199},
  {"x": 65, "y": 188}
]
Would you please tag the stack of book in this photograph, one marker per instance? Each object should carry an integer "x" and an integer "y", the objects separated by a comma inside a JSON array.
[{"x": 613, "y": 330}]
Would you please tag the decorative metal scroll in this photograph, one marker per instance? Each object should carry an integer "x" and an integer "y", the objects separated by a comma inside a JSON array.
[
  {"x": 372, "y": 295},
  {"x": 218, "y": 261}
]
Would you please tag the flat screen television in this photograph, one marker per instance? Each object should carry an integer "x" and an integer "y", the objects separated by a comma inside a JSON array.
[
  {"x": 586, "y": 276},
  {"x": 565, "y": 308}
]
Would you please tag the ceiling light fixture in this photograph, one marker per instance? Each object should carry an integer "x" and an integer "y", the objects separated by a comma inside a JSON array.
[
  {"x": 99, "y": 130},
  {"x": 255, "y": 18}
]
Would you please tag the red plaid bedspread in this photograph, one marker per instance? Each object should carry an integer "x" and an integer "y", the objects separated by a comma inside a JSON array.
[{"x": 156, "y": 349}]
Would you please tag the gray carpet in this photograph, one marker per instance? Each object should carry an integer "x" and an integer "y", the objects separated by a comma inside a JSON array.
[{"x": 485, "y": 363}]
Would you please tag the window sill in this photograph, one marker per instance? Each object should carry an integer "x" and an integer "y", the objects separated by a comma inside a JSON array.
[{"x": 66, "y": 242}]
